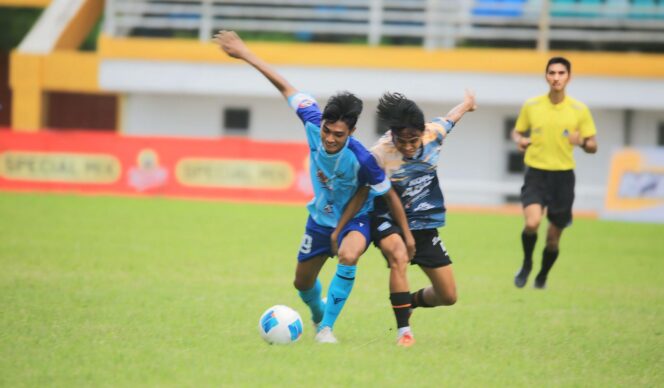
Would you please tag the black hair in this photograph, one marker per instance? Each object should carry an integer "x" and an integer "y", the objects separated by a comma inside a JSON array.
[
  {"x": 344, "y": 106},
  {"x": 399, "y": 113},
  {"x": 562, "y": 61}
]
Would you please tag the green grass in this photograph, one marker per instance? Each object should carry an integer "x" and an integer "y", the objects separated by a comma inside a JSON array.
[{"x": 102, "y": 291}]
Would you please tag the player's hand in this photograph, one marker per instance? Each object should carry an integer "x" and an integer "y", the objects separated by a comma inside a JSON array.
[
  {"x": 410, "y": 245},
  {"x": 469, "y": 100},
  {"x": 334, "y": 242},
  {"x": 575, "y": 138},
  {"x": 231, "y": 44},
  {"x": 523, "y": 143}
]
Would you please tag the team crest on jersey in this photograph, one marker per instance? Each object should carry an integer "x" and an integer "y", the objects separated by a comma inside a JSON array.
[
  {"x": 305, "y": 104},
  {"x": 322, "y": 178}
]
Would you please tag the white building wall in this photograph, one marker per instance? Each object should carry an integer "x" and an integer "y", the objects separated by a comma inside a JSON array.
[{"x": 473, "y": 164}]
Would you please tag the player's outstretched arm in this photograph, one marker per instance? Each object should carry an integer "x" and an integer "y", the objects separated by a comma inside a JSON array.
[
  {"x": 399, "y": 215},
  {"x": 353, "y": 206},
  {"x": 467, "y": 105},
  {"x": 233, "y": 45}
]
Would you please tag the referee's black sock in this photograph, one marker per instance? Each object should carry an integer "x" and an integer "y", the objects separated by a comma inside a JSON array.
[
  {"x": 417, "y": 299},
  {"x": 548, "y": 258},
  {"x": 528, "y": 242},
  {"x": 400, "y": 306}
]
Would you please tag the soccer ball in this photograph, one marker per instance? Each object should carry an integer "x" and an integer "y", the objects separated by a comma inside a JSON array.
[{"x": 280, "y": 325}]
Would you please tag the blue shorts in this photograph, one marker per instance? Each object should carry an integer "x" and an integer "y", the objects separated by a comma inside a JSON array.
[{"x": 316, "y": 239}]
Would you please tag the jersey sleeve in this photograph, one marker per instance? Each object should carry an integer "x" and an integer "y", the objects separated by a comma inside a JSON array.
[
  {"x": 587, "y": 124},
  {"x": 442, "y": 127},
  {"x": 306, "y": 108},
  {"x": 369, "y": 172},
  {"x": 523, "y": 122}
]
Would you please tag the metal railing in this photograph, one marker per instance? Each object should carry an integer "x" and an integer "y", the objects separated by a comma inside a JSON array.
[{"x": 434, "y": 23}]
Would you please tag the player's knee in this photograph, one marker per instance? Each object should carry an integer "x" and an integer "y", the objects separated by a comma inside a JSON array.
[
  {"x": 447, "y": 297},
  {"x": 399, "y": 267},
  {"x": 532, "y": 225},
  {"x": 450, "y": 299},
  {"x": 349, "y": 257},
  {"x": 398, "y": 260}
]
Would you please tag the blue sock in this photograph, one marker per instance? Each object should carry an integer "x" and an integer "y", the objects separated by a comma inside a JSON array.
[
  {"x": 312, "y": 298},
  {"x": 340, "y": 288}
]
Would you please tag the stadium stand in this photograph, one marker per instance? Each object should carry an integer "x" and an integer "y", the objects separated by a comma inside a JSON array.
[{"x": 432, "y": 23}]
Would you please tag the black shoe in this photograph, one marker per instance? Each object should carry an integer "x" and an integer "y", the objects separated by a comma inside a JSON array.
[
  {"x": 521, "y": 277},
  {"x": 540, "y": 283}
]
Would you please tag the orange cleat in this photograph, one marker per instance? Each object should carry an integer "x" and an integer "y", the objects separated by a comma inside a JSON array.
[{"x": 406, "y": 340}]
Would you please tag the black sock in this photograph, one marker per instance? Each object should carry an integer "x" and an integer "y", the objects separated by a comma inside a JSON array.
[
  {"x": 548, "y": 258},
  {"x": 400, "y": 306},
  {"x": 417, "y": 299},
  {"x": 528, "y": 242}
]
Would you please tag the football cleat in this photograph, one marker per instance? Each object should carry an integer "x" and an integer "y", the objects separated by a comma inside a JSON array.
[
  {"x": 521, "y": 277},
  {"x": 540, "y": 283},
  {"x": 325, "y": 336},
  {"x": 406, "y": 340}
]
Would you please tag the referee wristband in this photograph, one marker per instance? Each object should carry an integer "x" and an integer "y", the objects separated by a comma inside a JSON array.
[{"x": 583, "y": 143}]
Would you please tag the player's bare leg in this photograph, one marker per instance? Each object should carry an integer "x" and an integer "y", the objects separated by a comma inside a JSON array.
[
  {"x": 533, "y": 217},
  {"x": 306, "y": 272},
  {"x": 394, "y": 249},
  {"x": 442, "y": 291}
]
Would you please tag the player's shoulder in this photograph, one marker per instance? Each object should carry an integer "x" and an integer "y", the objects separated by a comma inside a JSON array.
[
  {"x": 384, "y": 144},
  {"x": 359, "y": 151},
  {"x": 534, "y": 101},
  {"x": 576, "y": 104}
]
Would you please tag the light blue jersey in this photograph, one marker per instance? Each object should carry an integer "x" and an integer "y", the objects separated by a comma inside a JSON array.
[{"x": 336, "y": 177}]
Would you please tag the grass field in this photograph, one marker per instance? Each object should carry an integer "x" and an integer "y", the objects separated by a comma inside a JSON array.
[{"x": 102, "y": 291}]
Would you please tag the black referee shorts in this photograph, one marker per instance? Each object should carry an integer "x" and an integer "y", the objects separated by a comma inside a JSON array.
[{"x": 554, "y": 190}]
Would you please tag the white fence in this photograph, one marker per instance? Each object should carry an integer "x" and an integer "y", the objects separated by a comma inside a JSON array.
[{"x": 436, "y": 23}]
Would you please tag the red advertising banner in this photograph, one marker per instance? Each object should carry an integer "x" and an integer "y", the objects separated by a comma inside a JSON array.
[{"x": 107, "y": 163}]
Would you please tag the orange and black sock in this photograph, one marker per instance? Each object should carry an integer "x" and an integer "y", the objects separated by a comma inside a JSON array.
[
  {"x": 417, "y": 299},
  {"x": 401, "y": 306}
]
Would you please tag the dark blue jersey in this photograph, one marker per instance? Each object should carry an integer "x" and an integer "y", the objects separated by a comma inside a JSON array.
[{"x": 415, "y": 180}]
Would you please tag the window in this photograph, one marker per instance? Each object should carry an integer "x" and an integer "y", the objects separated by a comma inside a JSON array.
[
  {"x": 236, "y": 120},
  {"x": 515, "y": 162},
  {"x": 508, "y": 126},
  {"x": 660, "y": 134},
  {"x": 514, "y": 157}
]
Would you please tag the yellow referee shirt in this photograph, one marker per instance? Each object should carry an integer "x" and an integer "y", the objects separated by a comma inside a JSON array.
[{"x": 549, "y": 127}]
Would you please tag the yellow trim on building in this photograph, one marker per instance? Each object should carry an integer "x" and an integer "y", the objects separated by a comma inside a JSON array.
[
  {"x": 71, "y": 71},
  {"x": 27, "y": 95},
  {"x": 32, "y": 75},
  {"x": 401, "y": 58},
  {"x": 25, "y": 3},
  {"x": 80, "y": 25}
]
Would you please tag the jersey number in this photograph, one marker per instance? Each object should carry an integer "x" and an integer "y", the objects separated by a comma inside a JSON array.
[{"x": 306, "y": 244}]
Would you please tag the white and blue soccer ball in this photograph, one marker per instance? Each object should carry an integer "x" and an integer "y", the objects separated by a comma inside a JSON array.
[{"x": 280, "y": 325}]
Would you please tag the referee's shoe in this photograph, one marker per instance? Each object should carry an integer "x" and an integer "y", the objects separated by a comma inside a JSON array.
[{"x": 521, "y": 277}]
